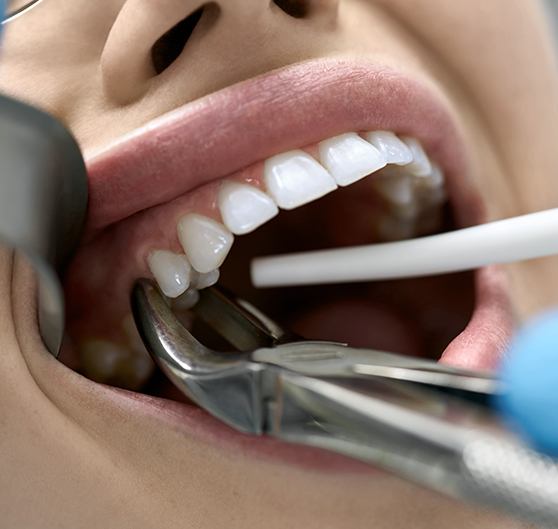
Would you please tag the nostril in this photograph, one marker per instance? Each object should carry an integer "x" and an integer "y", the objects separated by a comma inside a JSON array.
[
  {"x": 294, "y": 8},
  {"x": 169, "y": 46}
]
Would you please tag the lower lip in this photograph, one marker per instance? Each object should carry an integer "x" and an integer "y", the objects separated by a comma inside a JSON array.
[{"x": 193, "y": 422}]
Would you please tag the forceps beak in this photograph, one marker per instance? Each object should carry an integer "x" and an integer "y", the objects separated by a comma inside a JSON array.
[{"x": 227, "y": 384}]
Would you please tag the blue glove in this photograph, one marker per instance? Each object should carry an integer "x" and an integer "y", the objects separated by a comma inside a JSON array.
[
  {"x": 2, "y": 12},
  {"x": 530, "y": 372}
]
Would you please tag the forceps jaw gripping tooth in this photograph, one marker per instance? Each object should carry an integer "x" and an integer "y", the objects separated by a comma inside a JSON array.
[
  {"x": 323, "y": 395},
  {"x": 227, "y": 385}
]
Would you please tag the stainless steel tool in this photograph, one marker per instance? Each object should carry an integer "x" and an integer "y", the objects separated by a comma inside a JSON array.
[
  {"x": 425, "y": 422},
  {"x": 43, "y": 201}
]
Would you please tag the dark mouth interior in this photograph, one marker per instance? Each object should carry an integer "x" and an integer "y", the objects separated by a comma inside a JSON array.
[{"x": 417, "y": 317}]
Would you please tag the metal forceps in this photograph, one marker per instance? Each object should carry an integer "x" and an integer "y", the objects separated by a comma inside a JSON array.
[{"x": 422, "y": 421}]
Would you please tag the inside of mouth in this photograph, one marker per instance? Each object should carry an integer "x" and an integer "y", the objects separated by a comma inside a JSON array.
[
  {"x": 414, "y": 316},
  {"x": 418, "y": 316}
]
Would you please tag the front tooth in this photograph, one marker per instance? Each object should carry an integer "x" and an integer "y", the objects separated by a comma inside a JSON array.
[
  {"x": 393, "y": 149},
  {"x": 202, "y": 281},
  {"x": 171, "y": 271},
  {"x": 205, "y": 241},
  {"x": 420, "y": 166},
  {"x": 294, "y": 178},
  {"x": 244, "y": 208},
  {"x": 349, "y": 158}
]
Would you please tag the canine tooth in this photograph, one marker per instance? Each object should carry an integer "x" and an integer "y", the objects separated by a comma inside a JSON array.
[
  {"x": 187, "y": 300},
  {"x": 171, "y": 271},
  {"x": 107, "y": 362},
  {"x": 349, "y": 158},
  {"x": 205, "y": 241},
  {"x": 420, "y": 166},
  {"x": 394, "y": 150},
  {"x": 294, "y": 178},
  {"x": 244, "y": 208},
  {"x": 202, "y": 281}
]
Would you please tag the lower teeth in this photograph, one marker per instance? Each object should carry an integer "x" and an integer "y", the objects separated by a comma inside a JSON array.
[{"x": 114, "y": 364}]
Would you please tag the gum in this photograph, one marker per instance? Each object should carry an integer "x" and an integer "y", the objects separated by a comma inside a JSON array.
[{"x": 92, "y": 283}]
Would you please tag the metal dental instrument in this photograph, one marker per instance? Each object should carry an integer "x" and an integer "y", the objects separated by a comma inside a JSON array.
[
  {"x": 43, "y": 200},
  {"x": 504, "y": 241},
  {"x": 425, "y": 422}
]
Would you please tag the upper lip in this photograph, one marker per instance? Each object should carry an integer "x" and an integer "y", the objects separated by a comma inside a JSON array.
[{"x": 285, "y": 109}]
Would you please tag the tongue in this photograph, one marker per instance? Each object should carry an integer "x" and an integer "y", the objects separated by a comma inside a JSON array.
[{"x": 361, "y": 323}]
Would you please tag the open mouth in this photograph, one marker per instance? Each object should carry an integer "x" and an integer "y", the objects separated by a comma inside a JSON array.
[{"x": 321, "y": 154}]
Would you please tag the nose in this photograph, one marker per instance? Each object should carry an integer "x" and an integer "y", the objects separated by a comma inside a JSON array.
[{"x": 160, "y": 45}]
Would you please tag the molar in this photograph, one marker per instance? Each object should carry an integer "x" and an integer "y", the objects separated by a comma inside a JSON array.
[
  {"x": 294, "y": 178},
  {"x": 396, "y": 187},
  {"x": 111, "y": 363},
  {"x": 391, "y": 228},
  {"x": 206, "y": 242},
  {"x": 434, "y": 179},
  {"x": 349, "y": 158},
  {"x": 394, "y": 150},
  {"x": 171, "y": 271},
  {"x": 244, "y": 208}
]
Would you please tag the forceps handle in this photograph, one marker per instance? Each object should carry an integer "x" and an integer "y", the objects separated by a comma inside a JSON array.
[{"x": 460, "y": 459}]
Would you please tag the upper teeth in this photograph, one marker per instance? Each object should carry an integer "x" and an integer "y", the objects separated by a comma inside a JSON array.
[
  {"x": 411, "y": 184},
  {"x": 394, "y": 150},
  {"x": 294, "y": 178},
  {"x": 244, "y": 208},
  {"x": 205, "y": 241},
  {"x": 349, "y": 158}
]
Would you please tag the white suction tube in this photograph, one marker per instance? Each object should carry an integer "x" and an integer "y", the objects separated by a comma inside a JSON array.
[{"x": 504, "y": 241}]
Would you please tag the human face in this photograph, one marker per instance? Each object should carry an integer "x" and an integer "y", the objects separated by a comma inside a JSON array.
[{"x": 478, "y": 89}]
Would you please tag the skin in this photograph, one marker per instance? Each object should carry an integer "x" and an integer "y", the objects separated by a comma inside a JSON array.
[{"x": 70, "y": 458}]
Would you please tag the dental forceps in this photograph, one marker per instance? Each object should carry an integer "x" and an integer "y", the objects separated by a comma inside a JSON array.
[{"x": 422, "y": 421}]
